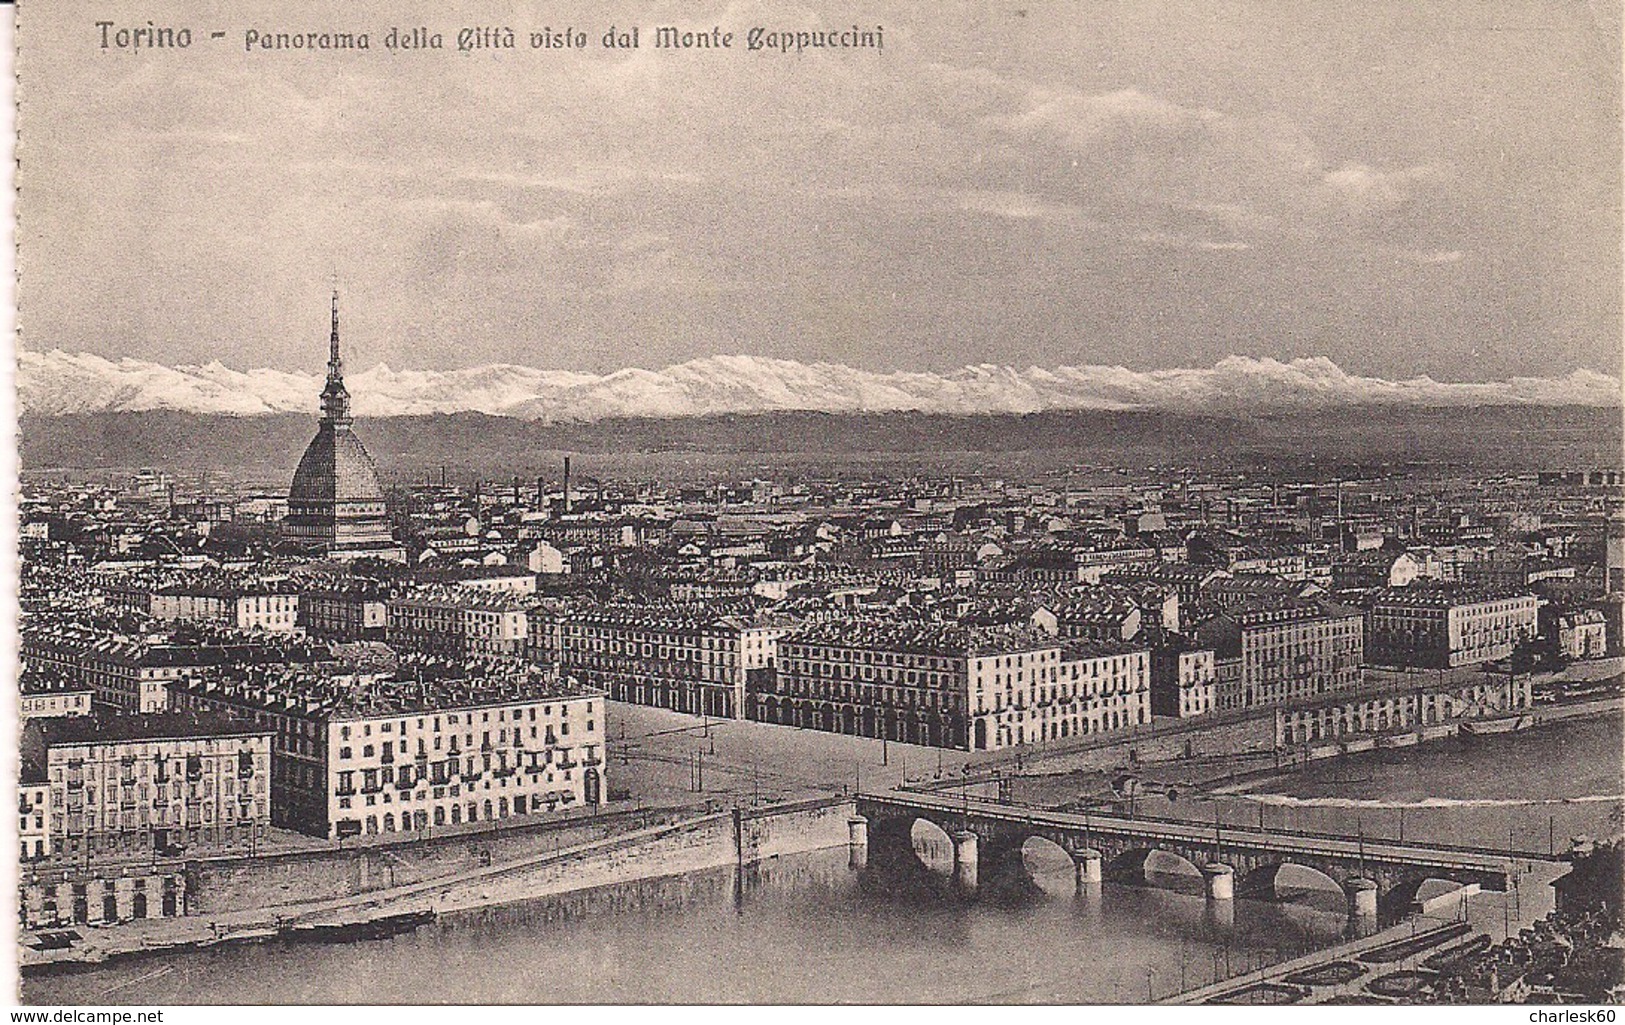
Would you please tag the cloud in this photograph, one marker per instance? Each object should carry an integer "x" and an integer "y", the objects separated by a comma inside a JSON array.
[{"x": 990, "y": 188}]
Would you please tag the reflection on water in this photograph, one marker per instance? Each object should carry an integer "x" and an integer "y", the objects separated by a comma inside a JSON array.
[
  {"x": 807, "y": 929},
  {"x": 1530, "y": 791},
  {"x": 798, "y": 929}
]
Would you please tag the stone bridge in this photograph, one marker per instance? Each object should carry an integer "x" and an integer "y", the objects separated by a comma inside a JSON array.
[{"x": 1379, "y": 878}]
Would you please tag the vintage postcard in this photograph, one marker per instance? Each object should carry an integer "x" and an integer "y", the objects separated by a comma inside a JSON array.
[{"x": 798, "y": 503}]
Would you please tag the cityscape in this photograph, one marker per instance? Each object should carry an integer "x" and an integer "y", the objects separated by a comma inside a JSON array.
[
  {"x": 1064, "y": 504},
  {"x": 401, "y": 700}
]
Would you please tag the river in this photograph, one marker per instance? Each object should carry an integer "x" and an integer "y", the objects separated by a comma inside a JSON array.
[{"x": 809, "y": 929}]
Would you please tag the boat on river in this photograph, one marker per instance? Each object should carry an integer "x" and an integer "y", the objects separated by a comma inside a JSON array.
[
  {"x": 1496, "y": 726},
  {"x": 381, "y": 928}
]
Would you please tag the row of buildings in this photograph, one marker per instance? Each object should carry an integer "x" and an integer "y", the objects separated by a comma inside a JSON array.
[{"x": 314, "y": 749}]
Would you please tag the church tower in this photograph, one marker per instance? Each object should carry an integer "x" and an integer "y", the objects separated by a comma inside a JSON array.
[{"x": 336, "y": 505}]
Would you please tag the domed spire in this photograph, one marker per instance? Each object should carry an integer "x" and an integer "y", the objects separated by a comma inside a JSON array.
[
  {"x": 335, "y": 397},
  {"x": 336, "y": 505}
]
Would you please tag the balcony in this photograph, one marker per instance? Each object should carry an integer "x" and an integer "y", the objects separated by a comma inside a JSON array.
[
  {"x": 592, "y": 760},
  {"x": 344, "y": 792},
  {"x": 567, "y": 763}
]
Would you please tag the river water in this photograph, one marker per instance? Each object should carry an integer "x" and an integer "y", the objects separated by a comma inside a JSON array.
[{"x": 808, "y": 929}]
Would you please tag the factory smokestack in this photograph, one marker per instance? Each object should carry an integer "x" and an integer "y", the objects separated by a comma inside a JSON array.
[{"x": 566, "y": 485}]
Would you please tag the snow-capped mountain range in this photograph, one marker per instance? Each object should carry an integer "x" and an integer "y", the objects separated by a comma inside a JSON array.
[{"x": 57, "y": 383}]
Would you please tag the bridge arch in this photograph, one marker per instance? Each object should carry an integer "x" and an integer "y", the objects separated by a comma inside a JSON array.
[
  {"x": 1289, "y": 882},
  {"x": 1047, "y": 862},
  {"x": 1152, "y": 866},
  {"x": 1405, "y": 897},
  {"x": 910, "y": 842}
]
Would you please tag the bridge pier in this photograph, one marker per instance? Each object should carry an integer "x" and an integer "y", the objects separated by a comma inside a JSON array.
[
  {"x": 965, "y": 861},
  {"x": 1220, "y": 879},
  {"x": 857, "y": 842},
  {"x": 1086, "y": 868},
  {"x": 1362, "y": 897}
]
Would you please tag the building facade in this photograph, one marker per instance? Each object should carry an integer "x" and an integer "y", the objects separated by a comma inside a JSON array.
[
  {"x": 1444, "y": 627},
  {"x": 669, "y": 657},
  {"x": 944, "y": 685},
  {"x": 369, "y": 755},
  {"x": 457, "y": 623},
  {"x": 1184, "y": 681},
  {"x": 49, "y": 701},
  {"x": 1290, "y": 651},
  {"x": 158, "y": 783},
  {"x": 344, "y": 614},
  {"x": 240, "y": 607}
]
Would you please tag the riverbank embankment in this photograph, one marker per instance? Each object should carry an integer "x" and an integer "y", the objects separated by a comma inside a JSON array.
[{"x": 733, "y": 836}]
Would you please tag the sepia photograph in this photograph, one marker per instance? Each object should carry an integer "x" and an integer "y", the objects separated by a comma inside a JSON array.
[{"x": 1039, "y": 502}]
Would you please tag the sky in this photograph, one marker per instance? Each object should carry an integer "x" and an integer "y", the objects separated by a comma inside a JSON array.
[{"x": 1406, "y": 188}]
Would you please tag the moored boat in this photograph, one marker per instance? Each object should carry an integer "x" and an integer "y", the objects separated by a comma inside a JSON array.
[
  {"x": 1496, "y": 726},
  {"x": 370, "y": 929}
]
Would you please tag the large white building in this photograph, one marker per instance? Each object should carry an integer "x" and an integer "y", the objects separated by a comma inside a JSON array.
[
  {"x": 244, "y": 607},
  {"x": 431, "y": 746},
  {"x": 947, "y": 685},
  {"x": 1272, "y": 653},
  {"x": 124, "y": 784},
  {"x": 442, "y": 621},
  {"x": 1441, "y": 627},
  {"x": 671, "y": 657}
]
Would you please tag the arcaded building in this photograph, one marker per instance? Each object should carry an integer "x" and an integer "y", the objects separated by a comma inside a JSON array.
[{"x": 949, "y": 685}]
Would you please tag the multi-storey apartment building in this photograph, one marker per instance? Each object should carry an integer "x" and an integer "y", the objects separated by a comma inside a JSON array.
[
  {"x": 132, "y": 674},
  {"x": 949, "y": 685},
  {"x": 1098, "y": 686},
  {"x": 457, "y": 623},
  {"x": 34, "y": 811},
  {"x": 1286, "y": 651},
  {"x": 358, "y": 612},
  {"x": 47, "y": 698},
  {"x": 1443, "y": 626},
  {"x": 124, "y": 674},
  {"x": 434, "y": 745},
  {"x": 671, "y": 657},
  {"x": 1183, "y": 680},
  {"x": 1580, "y": 633},
  {"x": 155, "y": 782},
  {"x": 245, "y": 606}
]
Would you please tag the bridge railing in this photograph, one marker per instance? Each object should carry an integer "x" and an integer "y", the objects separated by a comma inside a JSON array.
[{"x": 1236, "y": 827}]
